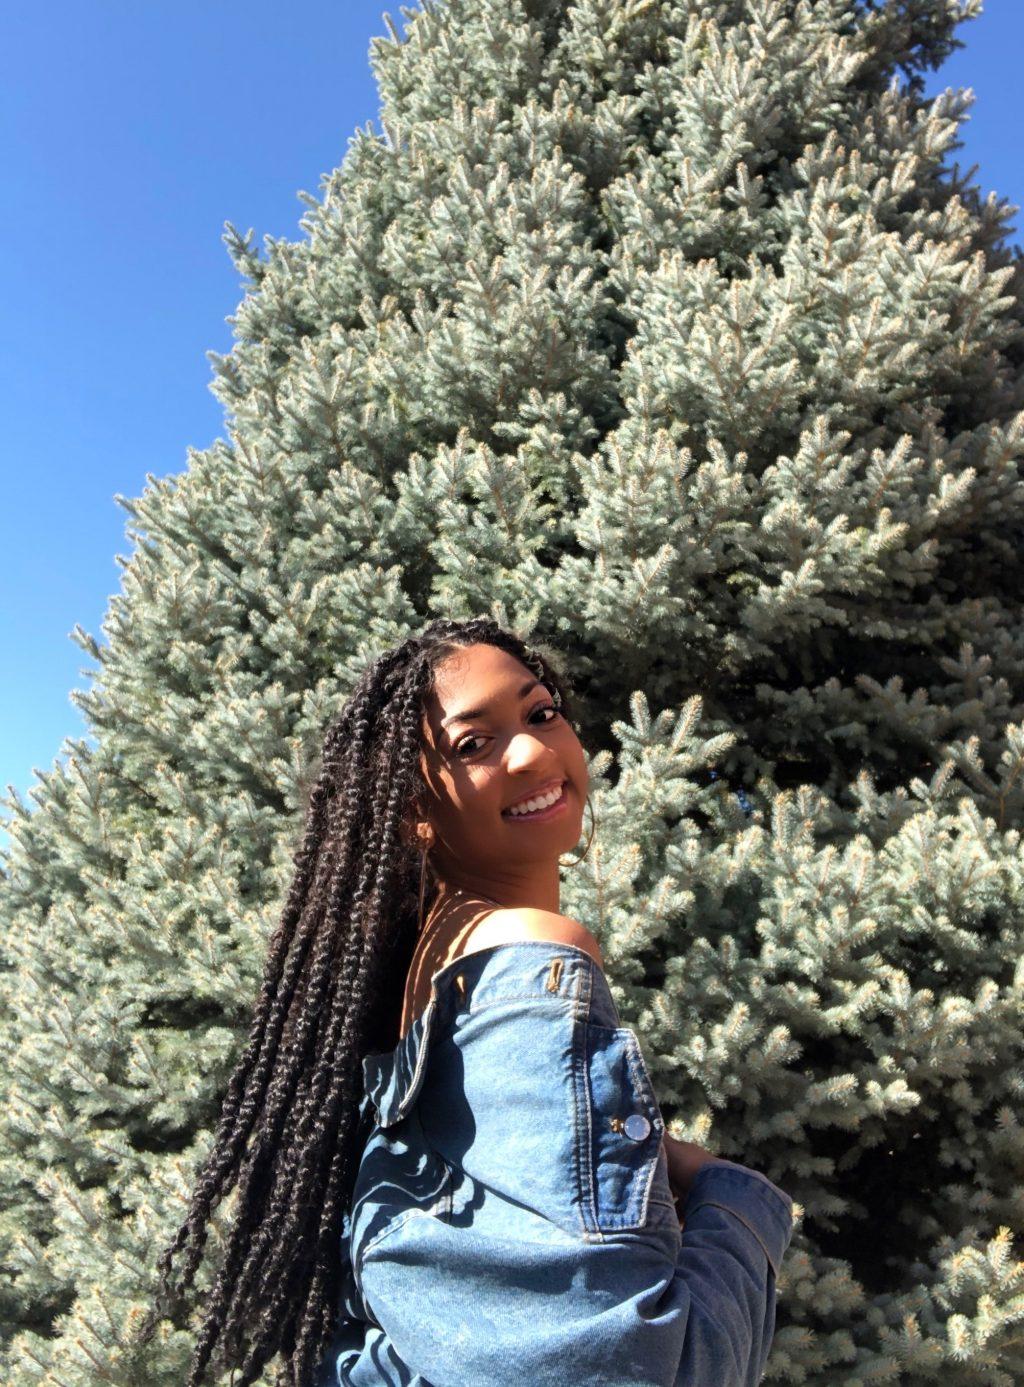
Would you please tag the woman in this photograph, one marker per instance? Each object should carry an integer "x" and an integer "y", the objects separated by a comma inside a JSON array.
[{"x": 457, "y": 1172}]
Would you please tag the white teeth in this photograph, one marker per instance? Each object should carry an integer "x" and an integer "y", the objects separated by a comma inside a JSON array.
[{"x": 542, "y": 802}]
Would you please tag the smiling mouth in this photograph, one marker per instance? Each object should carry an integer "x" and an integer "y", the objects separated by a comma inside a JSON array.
[{"x": 548, "y": 812}]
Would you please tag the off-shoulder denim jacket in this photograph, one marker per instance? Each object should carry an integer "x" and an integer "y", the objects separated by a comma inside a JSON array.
[{"x": 512, "y": 1223}]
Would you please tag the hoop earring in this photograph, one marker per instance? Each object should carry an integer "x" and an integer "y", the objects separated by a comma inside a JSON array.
[
  {"x": 423, "y": 882},
  {"x": 593, "y": 825}
]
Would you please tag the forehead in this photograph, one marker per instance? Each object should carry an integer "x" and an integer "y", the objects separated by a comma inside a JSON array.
[{"x": 469, "y": 678}]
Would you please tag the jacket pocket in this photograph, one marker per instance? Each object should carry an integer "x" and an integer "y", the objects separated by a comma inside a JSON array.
[{"x": 625, "y": 1174}]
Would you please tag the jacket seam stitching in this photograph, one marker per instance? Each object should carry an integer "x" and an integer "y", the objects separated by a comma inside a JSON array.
[
  {"x": 396, "y": 1223},
  {"x": 553, "y": 1002},
  {"x": 646, "y": 1089},
  {"x": 587, "y": 1207},
  {"x": 637, "y": 1212},
  {"x": 746, "y": 1223}
]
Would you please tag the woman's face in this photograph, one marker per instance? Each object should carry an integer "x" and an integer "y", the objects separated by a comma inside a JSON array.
[{"x": 492, "y": 738}]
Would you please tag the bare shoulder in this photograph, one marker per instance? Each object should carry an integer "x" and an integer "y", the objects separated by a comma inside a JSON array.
[{"x": 508, "y": 926}]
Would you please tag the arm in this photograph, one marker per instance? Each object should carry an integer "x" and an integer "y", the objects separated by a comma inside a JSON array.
[
  {"x": 490, "y": 1290},
  {"x": 510, "y": 1226},
  {"x": 464, "y": 1304},
  {"x": 685, "y": 1159},
  {"x": 736, "y": 1225}
]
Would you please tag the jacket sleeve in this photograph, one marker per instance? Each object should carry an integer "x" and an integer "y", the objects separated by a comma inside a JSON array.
[
  {"x": 737, "y": 1225},
  {"x": 462, "y": 1310}
]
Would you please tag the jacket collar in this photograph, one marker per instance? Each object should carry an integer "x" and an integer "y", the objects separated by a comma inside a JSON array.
[{"x": 393, "y": 1078}]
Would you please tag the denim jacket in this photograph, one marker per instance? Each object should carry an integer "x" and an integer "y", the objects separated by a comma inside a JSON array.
[{"x": 512, "y": 1223}]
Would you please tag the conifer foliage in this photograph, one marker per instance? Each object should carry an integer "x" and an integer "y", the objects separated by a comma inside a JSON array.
[{"x": 669, "y": 332}]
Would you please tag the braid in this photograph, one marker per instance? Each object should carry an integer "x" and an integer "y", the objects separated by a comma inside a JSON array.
[{"x": 289, "y": 1138}]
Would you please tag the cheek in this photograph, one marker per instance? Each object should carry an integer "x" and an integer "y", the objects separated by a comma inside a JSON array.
[
  {"x": 572, "y": 749},
  {"x": 465, "y": 801}
]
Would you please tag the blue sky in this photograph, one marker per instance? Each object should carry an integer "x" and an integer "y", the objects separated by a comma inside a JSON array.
[{"x": 133, "y": 132}]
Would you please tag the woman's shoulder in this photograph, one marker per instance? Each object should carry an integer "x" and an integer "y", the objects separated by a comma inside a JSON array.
[{"x": 511, "y": 924}]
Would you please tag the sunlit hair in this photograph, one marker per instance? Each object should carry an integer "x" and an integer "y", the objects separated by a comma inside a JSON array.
[{"x": 289, "y": 1134}]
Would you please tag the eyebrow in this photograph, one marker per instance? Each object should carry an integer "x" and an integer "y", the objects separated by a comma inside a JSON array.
[{"x": 468, "y": 713}]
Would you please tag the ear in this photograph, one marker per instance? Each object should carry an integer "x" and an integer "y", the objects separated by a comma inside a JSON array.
[{"x": 415, "y": 830}]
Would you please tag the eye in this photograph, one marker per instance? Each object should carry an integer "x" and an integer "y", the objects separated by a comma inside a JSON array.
[{"x": 460, "y": 746}]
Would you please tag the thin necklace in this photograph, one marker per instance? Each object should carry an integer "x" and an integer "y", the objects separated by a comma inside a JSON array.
[
  {"x": 469, "y": 895},
  {"x": 479, "y": 895}
]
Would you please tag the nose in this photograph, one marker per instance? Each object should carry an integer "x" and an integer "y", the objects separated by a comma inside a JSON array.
[{"x": 525, "y": 750}]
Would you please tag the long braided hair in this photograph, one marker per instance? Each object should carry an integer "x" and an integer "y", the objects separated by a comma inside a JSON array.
[{"x": 290, "y": 1135}]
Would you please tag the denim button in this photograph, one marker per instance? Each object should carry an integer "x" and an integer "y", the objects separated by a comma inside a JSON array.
[{"x": 636, "y": 1126}]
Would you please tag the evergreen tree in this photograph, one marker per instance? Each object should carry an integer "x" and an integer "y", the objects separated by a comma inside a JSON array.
[{"x": 668, "y": 333}]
